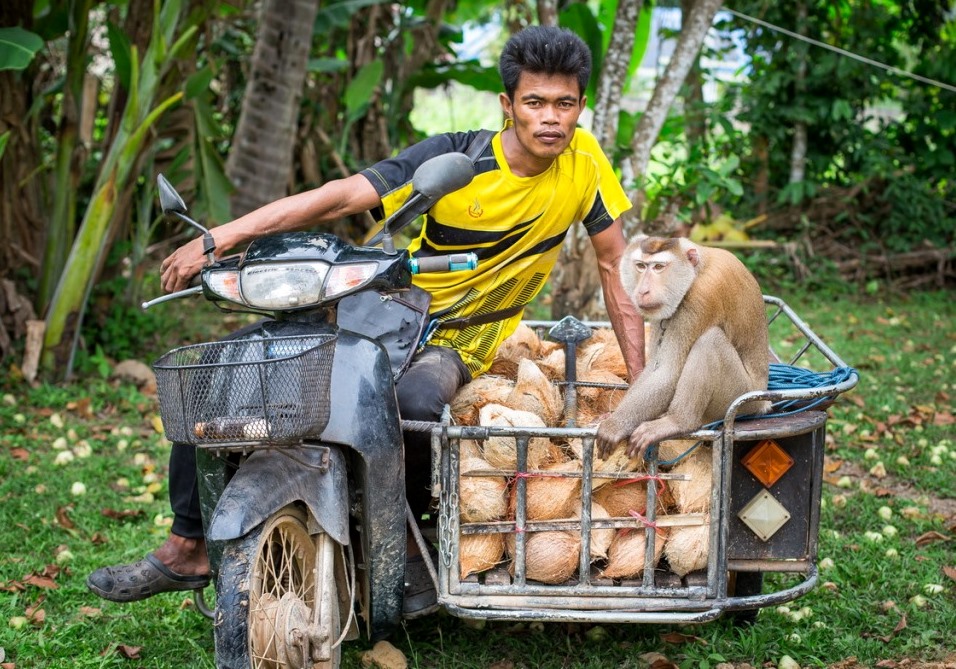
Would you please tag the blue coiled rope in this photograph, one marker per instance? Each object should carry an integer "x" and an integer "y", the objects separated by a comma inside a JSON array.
[{"x": 786, "y": 377}]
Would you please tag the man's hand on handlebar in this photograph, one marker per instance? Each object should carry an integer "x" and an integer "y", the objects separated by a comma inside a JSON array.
[{"x": 182, "y": 265}]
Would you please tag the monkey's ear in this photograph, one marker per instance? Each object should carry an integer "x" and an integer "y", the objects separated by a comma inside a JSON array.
[{"x": 693, "y": 257}]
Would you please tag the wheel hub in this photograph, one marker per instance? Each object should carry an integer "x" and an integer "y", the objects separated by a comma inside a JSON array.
[{"x": 279, "y": 631}]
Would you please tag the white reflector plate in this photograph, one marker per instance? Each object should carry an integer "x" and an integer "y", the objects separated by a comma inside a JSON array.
[{"x": 764, "y": 515}]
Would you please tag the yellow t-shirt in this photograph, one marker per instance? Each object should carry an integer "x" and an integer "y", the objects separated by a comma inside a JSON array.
[{"x": 516, "y": 226}]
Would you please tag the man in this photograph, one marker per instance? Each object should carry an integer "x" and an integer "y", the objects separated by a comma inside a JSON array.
[{"x": 539, "y": 175}]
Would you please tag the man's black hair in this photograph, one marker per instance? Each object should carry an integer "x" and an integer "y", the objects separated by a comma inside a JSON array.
[{"x": 544, "y": 50}]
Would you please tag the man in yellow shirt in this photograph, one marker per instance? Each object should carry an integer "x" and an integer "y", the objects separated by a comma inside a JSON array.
[{"x": 538, "y": 176}]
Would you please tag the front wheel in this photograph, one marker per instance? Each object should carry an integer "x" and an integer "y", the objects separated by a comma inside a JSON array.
[{"x": 277, "y": 600}]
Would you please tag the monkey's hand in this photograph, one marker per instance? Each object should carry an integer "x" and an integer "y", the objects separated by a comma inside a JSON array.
[
  {"x": 611, "y": 431},
  {"x": 651, "y": 432}
]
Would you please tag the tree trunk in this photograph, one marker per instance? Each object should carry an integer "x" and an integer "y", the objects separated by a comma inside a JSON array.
[
  {"x": 260, "y": 159},
  {"x": 693, "y": 31},
  {"x": 576, "y": 282},
  {"x": 798, "y": 153},
  {"x": 548, "y": 12},
  {"x": 695, "y": 126}
]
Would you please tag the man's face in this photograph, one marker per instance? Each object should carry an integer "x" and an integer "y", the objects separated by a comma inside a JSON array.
[{"x": 545, "y": 112}]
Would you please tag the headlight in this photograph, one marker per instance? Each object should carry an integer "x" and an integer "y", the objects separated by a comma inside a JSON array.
[
  {"x": 344, "y": 278},
  {"x": 283, "y": 285}
]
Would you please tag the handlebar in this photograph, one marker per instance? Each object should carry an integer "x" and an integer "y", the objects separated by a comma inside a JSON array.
[
  {"x": 453, "y": 262},
  {"x": 195, "y": 290}
]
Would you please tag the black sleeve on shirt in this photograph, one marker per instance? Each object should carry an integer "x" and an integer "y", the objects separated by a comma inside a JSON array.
[{"x": 598, "y": 219}]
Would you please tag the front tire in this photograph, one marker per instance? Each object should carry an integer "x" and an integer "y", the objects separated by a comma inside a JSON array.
[{"x": 277, "y": 600}]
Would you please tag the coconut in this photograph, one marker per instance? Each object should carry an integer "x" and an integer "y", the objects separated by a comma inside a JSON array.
[
  {"x": 616, "y": 462},
  {"x": 479, "y": 552},
  {"x": 553, "y": 365},
  {"x": 521, "y": 344},
  {"x": 502, "y": 452},
  {"x": 604, "y": 353},
  {"x": 469, "y": 448},
  {"x": 550, "y": 557},
  {"x": 620, "y": 498},
  {"x": 481, "y": 498},
  {"x": 533, "y": 392},
  {"x": 687, "y": 547},
  {"x": 600, "y": 539},
  {"x": 628, "y": 551},
  {"x": 673, "y": 448},
  {"x": 693, "y": 496},
  {"x": 598, "y": 400},
  {"x": 550, "y": 497},
  {"x": 469, "y": 399}
]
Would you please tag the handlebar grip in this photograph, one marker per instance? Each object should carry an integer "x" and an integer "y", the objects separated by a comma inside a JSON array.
[{"x": 454, "y": 262}]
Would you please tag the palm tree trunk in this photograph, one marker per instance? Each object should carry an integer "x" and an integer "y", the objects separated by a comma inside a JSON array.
[
  {"x": 260, "y": 160},
  {"x": 693, "y": 31}
]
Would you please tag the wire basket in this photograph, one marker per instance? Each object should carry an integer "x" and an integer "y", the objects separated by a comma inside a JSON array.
[{"x": 273, "y": 390}]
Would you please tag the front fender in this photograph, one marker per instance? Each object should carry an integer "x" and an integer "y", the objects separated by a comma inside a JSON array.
[{"x": 270, "y": 480}]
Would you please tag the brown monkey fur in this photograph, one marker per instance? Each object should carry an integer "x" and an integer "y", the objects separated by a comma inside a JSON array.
[{"x": 708, "y": 341}]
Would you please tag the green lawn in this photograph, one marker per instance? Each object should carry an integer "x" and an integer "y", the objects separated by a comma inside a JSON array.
[{"x": 83, "y": 484}]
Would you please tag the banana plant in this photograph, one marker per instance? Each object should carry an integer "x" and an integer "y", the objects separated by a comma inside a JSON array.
[{"x": 117, "y": 169}]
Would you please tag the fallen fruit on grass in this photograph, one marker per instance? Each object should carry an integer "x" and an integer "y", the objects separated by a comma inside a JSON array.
[
  {"x": 889, "y": 531},
  {"x": 892, "y": 553},
  {"x": 78, "y": 488},
  {"x": 839, "y": 501},
  {"x": 885, "y": 512},
  {"x": 17, "y": 622},
  {"x": 878, "y": 470},
  {"x": 826, "y": 563},
  {"x": 787, "y": 662},
  {"x": 59, "y": 444},
  {"x": 57, "y": 421},
  {"x": 933, "y": 588},
  {"x": 63, "y": 458},
  {"x": 845, "y": 482},
  {"x": 918, "y": 601},
  {"x": 903, "y": 461}
]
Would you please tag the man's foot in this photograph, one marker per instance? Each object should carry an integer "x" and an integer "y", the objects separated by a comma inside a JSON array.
[{"x": 179, "y": 564}]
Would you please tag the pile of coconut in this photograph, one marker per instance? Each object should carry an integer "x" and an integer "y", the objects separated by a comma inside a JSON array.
[{"x": 524, "y": 389}]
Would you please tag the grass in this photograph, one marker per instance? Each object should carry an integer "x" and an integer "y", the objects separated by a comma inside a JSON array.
[{"x": 877, "y": 601}]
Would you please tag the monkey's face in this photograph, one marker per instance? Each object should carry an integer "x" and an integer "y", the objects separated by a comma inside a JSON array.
[{"x": 657, "y": 282}]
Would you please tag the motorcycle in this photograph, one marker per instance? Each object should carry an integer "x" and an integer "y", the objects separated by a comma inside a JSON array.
[
  {"x": 303, "y": 496},
  {"x": 299, "y": 454}
]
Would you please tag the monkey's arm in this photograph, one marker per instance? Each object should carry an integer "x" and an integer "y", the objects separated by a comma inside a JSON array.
[
  {"x": 628, "y": 325},
  {"x": 647, "y": 398}
]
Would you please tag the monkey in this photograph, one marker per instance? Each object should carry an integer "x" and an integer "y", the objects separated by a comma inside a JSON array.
[{"x": 708, "y": 341}]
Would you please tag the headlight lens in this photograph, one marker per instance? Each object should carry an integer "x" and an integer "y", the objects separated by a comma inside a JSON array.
[
  {"x": 283, "y": 286},
  {"x": 343, "y": 278}
]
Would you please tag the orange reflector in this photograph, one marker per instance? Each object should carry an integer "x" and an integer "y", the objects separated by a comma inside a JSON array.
[{"x": 767, "y": 462}]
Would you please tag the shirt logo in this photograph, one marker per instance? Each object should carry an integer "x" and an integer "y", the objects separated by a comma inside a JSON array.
[{"x": 475, "y": 210}]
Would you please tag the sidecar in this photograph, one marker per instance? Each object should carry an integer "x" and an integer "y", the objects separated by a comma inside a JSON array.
[{"x": 668, "y": 562}]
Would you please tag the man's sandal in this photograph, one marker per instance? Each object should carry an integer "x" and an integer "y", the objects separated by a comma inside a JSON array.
[{"x": 139, "y": 580}]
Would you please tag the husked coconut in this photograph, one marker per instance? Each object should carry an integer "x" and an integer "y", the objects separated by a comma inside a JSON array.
[
  {"x": 620, "y": 498},
  {"x": 616, "y": 462},
  {"x": 533, "y": 392},
  {"x": 486, "y": 389},
  {"x": 550, "y": 497},
  {"x": 627, "y": 555},
  {"x": 479, "y": 552},
  {"x": 693, "y": 496},
  {"x": 553, "y": 365},
  {"x": 502, "y": 452},
  {"x": 521, "y": 344},
  {"x": 673, "y": 448},
  {"x": 686, "y": 549},
  {"x": 602, "y": 399},
  {"x": 550, "y": 557},
  {"x": 604, "y": 352},
  {"x": 600, "y": 538},
  {"x": 481, "y": 498}
]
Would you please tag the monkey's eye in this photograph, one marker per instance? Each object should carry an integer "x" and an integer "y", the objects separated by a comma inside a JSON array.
[
  {"x": 640, "y": 266},
  {"x": 658, "y": 267}
]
